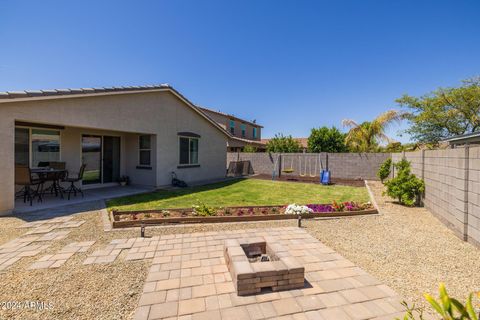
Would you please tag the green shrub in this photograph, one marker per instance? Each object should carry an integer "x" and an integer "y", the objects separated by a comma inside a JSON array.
[
  {"x": 204, "y": 210},
  {"x": 448, "y": 308},
  {"x": 405, "y": 187},
  {"x": 249, "y": 149},
  {"x": 385, "y": 170}
]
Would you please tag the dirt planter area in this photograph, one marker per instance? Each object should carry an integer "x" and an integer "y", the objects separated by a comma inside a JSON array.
[{"x": 406, "y": 248}]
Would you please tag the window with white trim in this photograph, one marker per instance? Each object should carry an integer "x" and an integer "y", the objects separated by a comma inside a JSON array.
[
  {"x": 188, "y": 151},
  {"x": 244, "y": 130},
  {"x": 232, "y": 127},
  {"x": 145, "y": 150}
]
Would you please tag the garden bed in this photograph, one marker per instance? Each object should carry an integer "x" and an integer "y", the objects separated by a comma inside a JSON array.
[{"x": 125, "y": 219}]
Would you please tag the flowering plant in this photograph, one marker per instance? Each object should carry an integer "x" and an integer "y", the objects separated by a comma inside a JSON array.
[
  {"x": 317, "y": 208},
  {"x": 297, "y": 209},
  {"x": 339, "y": 206}
]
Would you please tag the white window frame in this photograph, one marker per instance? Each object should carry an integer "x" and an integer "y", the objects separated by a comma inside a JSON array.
[
  {"x": 30, "y": 149},
  {"x": 149, "y": 165},
  {"x": 189, "y": 153}
]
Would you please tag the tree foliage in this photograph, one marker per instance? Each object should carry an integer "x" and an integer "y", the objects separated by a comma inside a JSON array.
[
  {"x": 444, "y": 113},
  {"x": 366, "y": 136},
  {"x": 284, "y": 144},
  {"x": 326, "y": 139},
  {"x": 405, "y": 187},
  {"x": 249, "y": 149},
  {"x": 385, "y": 169}
]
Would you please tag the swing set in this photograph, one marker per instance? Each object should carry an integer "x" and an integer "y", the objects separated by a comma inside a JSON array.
[{"x": 304, "y": 161}]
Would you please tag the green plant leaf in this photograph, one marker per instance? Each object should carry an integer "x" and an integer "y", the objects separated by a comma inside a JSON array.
[
  {"x": 460, "y": 308},
  {"x": 470, "y": 309},
  {"x": 435, "y": 305}
]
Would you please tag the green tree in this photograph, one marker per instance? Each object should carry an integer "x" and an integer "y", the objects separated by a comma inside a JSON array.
[
  {"x": 285, "y": 144},
  {"x": 326, "y": 139},
  {"x": 249, "y": 149},
  {"x": 444, "y": 113},
  {"x": 405, "y": 187},
  {"x": 366, "y": 136}
]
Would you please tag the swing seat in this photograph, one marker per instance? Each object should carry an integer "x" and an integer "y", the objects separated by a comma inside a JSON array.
[{"x": 287, "y": 170}]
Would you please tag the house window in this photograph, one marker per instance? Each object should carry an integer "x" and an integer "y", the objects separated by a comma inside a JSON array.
[
  {"x": 188, "y": 151},
  {"x": 45, "y": 146},
  {"x": 244, "y": 130},
  {"x": 254, "y": 133},
  {"x": 232, "y": 127},
  {"x": 145, "y": 150}
]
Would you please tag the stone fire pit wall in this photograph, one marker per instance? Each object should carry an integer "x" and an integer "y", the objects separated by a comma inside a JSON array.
[{"x": 283, "y": 273}]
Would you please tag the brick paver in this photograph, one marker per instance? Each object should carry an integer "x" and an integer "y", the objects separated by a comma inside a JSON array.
[
  {"x": 59, "y": 259},
  {"x": 189, "y": 279}
]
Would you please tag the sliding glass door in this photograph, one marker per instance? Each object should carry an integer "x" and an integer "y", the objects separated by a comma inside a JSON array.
[
  {"x": 101, "y": 154},
  {"x": 111, "y": 159}
]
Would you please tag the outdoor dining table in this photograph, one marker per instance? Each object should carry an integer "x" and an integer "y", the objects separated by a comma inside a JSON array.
[{"x": 53, "y": 175}]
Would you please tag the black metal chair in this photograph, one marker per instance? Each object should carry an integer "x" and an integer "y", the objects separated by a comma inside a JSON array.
[
  {"x": 73, "y": 180},
  {"x": 23, "y": 177}
]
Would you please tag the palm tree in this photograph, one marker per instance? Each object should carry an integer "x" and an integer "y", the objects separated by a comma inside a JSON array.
[{"x": 366, "y": 136}]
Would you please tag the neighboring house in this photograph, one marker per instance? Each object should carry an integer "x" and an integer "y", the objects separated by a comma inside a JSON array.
[
  {"x": 243, "y": 132},
  {"x": 468, "y": 138},
  {"x": 303, "y": 142},
  {"x": 142, "y": 132}
]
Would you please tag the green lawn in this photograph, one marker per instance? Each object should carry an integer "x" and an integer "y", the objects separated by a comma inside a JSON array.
[{"x": 239, "y": 193}]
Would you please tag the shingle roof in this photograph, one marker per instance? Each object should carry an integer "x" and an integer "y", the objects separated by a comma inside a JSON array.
[
  {"x": 72, "y": 91},
  {"x": 229, "y": 116}
]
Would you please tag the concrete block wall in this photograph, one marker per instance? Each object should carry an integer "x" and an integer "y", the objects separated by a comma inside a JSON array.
[
  {"x": 362, "y": 166},
  {"x": 452, "y": 187},
  {"x": 262, "y": 163},
  {"x": 473, "y": 217},
  {"x": 342, "y": 165}
]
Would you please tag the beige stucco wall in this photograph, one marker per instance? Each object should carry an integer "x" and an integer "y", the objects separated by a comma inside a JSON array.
[{"x": 158, "y": 113}]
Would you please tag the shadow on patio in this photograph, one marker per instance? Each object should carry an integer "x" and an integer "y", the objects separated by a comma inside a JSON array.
[{"x": 56, "y": 206}]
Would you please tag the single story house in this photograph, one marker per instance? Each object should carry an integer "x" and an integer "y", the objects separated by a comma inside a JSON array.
[
  {"x": 145, "y": 133},
  {"x": 463, "y": 139}
]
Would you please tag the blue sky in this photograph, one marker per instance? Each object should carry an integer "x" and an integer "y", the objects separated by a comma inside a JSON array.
[{"x": 292, "y": 65}]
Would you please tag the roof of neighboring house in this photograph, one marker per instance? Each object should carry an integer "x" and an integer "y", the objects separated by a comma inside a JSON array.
[
  {"x": 230, "y": 116},
  {"x": 303, "y": 141},
  {"x": 463, "y": 137},
  {"x": 31, "y": 95},
  {"x": 248, "y": 141}
]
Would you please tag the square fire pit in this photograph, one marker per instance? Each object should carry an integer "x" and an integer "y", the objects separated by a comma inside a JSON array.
[{"x": 256, "y": 264}]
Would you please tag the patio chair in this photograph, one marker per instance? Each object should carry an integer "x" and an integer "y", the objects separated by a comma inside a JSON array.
[
  {"x": 23, "y": 177},
  {"x": 73, "y": 180}
]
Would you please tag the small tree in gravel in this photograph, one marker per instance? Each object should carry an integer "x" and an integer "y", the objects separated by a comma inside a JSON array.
[
  {"x": 385, "y": 169},
  {"x": 405, "y": 187}
]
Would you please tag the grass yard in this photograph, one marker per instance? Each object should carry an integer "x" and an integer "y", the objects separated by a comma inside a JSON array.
[{"x": 245, "y": 192}]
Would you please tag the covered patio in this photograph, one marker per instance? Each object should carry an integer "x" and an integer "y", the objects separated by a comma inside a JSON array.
[
  {"x": 90, "y": 195},
  {"x": 58, "y": 165}
]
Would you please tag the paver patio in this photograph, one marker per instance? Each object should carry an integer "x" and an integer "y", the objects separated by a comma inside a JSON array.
[{"x": 189, "y": 279}]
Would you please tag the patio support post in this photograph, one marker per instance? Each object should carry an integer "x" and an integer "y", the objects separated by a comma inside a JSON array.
[{"x": 7, "y": 169}]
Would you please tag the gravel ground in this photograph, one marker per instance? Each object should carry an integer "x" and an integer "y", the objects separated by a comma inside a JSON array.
[
  {"x": 108, "y": 291},
  {"x": 406, "y": 248}
]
